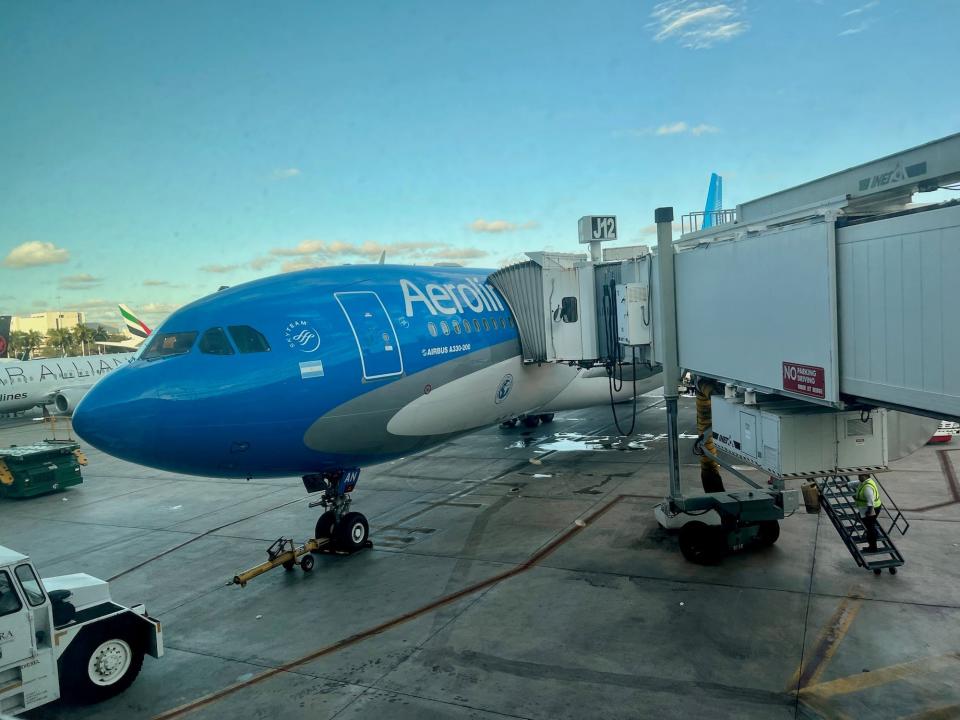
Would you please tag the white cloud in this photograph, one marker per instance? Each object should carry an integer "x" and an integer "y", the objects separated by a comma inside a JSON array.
[
  {"x": 321, "y": 253},
  {"x": 854, "y": 30},
  {"x": 219, "y": 268},
  {"x": 155, "y": 283},
  {"x": 261, "y": 262},
  {"x": 499, "y": 226},
  {"x": 679, "y": 127},
  {"x": 672, "y": 129},
  {"x": 79, "y": 282},
  {"x": 286, "y": 173},
  {"x": 862, "y": 8},
  {"x": 703, "y": 129},
  {"x": 33, "y": 253},
  {"x": 697, "y": 24}
]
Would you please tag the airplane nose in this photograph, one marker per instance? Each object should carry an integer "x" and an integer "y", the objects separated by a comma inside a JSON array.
[{"x": 118, "y": 416}]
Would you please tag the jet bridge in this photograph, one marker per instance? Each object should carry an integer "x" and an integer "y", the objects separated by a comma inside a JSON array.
[
  {"x": 835, "y": 293},
  {"x": 838, "y": 292}
]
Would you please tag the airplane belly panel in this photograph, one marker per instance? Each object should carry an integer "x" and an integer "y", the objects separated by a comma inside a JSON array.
[{"x": 498, "y": 392}]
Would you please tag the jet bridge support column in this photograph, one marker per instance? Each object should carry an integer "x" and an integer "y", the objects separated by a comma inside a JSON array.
[{"x": 668, "y": 319}]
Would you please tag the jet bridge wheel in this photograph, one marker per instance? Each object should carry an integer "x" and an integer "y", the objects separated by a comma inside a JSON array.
[
  {"x": 768, "y": 532},
  {"x": 702, "y": 544}
]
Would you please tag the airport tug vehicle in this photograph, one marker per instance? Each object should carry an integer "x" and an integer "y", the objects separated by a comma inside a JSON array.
[{"x": 65, "y": 636}]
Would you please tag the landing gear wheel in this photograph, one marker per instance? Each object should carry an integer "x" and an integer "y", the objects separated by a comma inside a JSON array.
[
  {"x": 306, "y": 563},
  {"x": 701, "y": 543},
  {"x": 352, "y": 532},
  {"x": 507, "y": 424},
  {"x": 325, "y": 525},
  {"x": 101, "y": 662},
  {"x": 547, "y": 418},
  {"x": 531, "y": 421},
  {"x": 768, "y": 532}
]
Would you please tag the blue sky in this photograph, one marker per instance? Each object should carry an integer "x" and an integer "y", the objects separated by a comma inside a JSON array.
[{"x": 150, "y": 152}]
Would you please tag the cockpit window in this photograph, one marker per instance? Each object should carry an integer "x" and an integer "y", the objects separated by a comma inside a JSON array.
[
  {"x": 167, "y": 344},
  {"x": 214, "y": 342},
  {"x": 248, "y": 340}
]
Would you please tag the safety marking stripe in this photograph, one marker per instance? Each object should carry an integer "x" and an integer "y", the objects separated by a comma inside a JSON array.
[
  {"x": 827, "y": 643},
  {"x": 883, "y": 676}
]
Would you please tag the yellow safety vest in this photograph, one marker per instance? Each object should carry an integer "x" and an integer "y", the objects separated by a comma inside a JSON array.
[{"x": 861, "y": 496}]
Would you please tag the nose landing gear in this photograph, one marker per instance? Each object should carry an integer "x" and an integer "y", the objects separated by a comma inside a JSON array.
[{"x": 346, "y": 531}]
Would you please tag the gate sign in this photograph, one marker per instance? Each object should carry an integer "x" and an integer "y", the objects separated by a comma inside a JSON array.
[
  {"x": 597, "y": 228},
  {"x": 804, "y": 379}
]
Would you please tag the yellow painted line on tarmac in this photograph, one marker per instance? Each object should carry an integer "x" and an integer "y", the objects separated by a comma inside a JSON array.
[
  {"x": 827, "y": 643},
  {"x": 883, "y": 676}
]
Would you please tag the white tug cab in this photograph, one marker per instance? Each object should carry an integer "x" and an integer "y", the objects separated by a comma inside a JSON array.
[{"x": 64, "y": 636}]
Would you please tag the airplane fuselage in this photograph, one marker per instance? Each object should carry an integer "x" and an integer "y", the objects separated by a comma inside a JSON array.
[
  {"x": 24, "y": 384},
  {"x": 328, "y": 368}
]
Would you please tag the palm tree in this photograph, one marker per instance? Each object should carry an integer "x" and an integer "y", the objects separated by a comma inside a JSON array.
[
  {"x": 61, "y": 338},
  {"x": 34, "y": 341},
  {"x": 18, "y": 343},
  {"x": 83, "y": 335},
  {"x": 101, "y": 334}
]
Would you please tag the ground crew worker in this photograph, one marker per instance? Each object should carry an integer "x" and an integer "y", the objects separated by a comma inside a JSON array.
[{"x": 868, "y": 505}]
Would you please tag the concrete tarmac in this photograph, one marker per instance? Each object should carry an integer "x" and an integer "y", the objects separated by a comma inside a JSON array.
[{"x": 515, "y": 574}]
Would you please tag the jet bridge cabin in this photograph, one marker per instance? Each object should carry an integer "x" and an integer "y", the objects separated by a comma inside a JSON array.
[{"x": 839, "y": 290}]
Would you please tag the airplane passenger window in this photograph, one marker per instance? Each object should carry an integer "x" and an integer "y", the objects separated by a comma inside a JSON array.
[
  {"x": 214, "y": 342},
  {"x": 169, "y": 344},
  {"x": 512, "y": 323},
  {"x": 432, "y": 327},
  {"x": 486, "y": 324},
  {"x": 456, "y": 326},
  {"x": 503, "y": 323},
  {"x": 30, "y": 584},
  {"x": 248, "y": 340},
  {"x": 444, "y": 327},
  {"x": 9, "y": 600},
  {"x": 466, "y": 326},
  {"x": 476, "y": 325}
]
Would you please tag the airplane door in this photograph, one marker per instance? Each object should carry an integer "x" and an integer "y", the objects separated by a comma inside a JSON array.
[{"x": 373, "y": 330}]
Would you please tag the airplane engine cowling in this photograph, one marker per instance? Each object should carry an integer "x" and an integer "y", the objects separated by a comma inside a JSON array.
[{"x": 66, "y": 400}]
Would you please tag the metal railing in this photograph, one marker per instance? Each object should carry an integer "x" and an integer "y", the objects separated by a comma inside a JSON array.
[{"x": 691, "y": 222}]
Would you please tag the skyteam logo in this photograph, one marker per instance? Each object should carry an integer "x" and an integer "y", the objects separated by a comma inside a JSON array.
[
  {"x": 505, "y": 386},
  {"x": 301, "y": 335}
]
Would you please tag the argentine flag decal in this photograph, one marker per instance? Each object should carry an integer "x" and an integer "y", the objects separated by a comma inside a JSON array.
[{"x": 311, "y": 369}]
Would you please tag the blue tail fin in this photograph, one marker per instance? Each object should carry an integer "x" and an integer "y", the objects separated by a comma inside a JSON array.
[{"x": 714, "y": 200}]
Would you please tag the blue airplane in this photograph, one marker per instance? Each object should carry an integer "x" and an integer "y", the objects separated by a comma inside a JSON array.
[{"x": 321, "y": 372}]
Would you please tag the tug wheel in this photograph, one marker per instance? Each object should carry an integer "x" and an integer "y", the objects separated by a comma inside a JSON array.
[
  {"x": 102, "y": 662},
  {"x": 701, "y": 543},
  {"x": 306, "y": 563},
  {"x": 352, "y": 532}
]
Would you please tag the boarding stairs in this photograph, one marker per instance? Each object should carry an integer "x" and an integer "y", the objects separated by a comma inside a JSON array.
[{"x": 838, "y": 500}]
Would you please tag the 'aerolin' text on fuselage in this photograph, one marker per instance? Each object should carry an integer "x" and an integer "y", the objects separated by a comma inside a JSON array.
[{"x": 450, "y": 298}]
